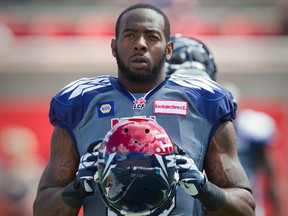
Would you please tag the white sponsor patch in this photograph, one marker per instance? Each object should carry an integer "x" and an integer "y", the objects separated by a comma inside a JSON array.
[{"x": 171, "y": 107}]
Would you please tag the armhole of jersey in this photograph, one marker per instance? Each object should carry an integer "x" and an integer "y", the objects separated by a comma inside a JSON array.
[
  {"x": 214, "y": 129},
  {"x": 65, "y": 127}
]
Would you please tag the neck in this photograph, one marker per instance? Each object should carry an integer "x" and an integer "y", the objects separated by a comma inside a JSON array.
[{"x": 140, "y": 87}]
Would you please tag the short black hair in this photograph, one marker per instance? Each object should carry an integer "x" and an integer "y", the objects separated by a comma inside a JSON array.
[{"x": 145, "y": 6}]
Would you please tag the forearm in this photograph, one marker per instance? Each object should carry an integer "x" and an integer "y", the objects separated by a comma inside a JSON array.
[
  {"x": 49, "y": 202},
  {"x": 238, "y": 202}
]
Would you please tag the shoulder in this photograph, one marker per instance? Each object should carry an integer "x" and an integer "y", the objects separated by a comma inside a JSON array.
[
  {"x": 70, "y": 104},
  {"x": 201, "y": 86},
  {"x": 79, "y": 90},
  {"x": 210, "y": 99}
]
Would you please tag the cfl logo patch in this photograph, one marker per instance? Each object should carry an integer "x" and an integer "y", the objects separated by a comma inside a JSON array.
[{"x": 140, "y": 103}]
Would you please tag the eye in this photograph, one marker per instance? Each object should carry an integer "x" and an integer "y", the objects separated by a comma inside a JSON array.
[
  {"x": 154, "y": 37},
  {"x": 128, "y": 35}
]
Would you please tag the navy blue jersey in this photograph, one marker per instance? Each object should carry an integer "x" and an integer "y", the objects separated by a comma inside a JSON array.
[{"x": 189, "y": 109}]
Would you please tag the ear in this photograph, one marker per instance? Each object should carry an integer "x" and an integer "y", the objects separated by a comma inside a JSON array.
[
  {"x": 113, "y": 47},
  {"x": 169, "y": 52}
]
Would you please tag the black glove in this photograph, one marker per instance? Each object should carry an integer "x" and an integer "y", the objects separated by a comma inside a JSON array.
[
  {"x": 88, "y": 168},
  {"x": 190, "y": 178},
  {"x": 196, "y": 184},
  {"x": 85, "y": 182}
]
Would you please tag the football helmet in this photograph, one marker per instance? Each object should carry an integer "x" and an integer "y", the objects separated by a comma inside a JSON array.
[
  {"x": 136, "y": 167},
  {"x": 191, "y": 57}
]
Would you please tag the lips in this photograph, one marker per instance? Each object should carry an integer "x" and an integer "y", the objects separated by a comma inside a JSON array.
[
  {"x": 139, "y": 59},
  {"x": 139, "y": 62}
]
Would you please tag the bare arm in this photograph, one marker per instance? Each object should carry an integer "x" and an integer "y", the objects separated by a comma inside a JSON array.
[
  {"x": 223, "y": 169},
  {"x": 60, "y": 171}
]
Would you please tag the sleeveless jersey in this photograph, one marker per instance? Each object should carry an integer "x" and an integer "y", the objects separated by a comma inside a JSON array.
[{"x": 190, "y": 109}]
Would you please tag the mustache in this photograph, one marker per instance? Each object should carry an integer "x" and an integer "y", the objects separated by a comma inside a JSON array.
[{"x": 138, "y": 55}]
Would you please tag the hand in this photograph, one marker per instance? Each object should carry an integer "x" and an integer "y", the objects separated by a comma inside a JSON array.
[
  {"x": 84, "y": 184},
  {"x": 190, "y": 178},
  {"x": 88, "y": 168}
]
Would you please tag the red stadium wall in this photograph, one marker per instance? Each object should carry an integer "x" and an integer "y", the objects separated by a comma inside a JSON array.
[
  {"x": 278, "y": 110},
  {"x": 33, "y": 115}
]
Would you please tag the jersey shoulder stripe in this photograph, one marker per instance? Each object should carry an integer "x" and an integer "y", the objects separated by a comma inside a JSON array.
[
  {"x": 69, "y": 105},
  {"x": 202, "y": 86},
  {"x": 82, "y": 86},
  {"x": 195, "y": 82},
  {"x": 210, "y": 99}
]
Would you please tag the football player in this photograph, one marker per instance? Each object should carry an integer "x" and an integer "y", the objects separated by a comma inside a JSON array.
[
  {"x": 191, "y": 57},
  {"x": 255, "y": 132},
  {"x": 194, "y": 111}
]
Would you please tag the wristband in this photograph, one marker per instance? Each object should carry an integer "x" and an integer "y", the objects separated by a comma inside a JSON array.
[
  {"x": 213, "y": 198},
  {"x": 74, "y": 196}
]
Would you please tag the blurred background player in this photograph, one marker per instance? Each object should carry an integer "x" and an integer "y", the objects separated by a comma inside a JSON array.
[
  {"x": 255, "y": 130},
  {"x": 256, "y": 134},
  {"x": 20, "y": 169},
  {"x": 191, "y": 57}
]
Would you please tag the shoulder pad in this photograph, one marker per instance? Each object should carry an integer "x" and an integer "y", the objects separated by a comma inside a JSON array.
[
  {"x": 204, "y": 87},
  {"x": 212, "y": 100},
  {"x": 69, "y": 105},
  {"x": 78, "y": 89}
]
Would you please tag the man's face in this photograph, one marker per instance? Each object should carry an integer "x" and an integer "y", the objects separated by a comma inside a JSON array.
[{"x": 141, "y": 49}]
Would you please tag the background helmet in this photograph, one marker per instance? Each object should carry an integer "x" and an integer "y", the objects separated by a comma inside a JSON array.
[
  {"x": 192, "y": 57},
  {"x": 136, "y": 167}
]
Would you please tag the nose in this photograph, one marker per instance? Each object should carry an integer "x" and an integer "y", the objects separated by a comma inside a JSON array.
[{"x": 140, "y": 44}]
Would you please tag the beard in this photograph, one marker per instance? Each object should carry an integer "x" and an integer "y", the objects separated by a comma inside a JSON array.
[{"x": 141, "y": 77}]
